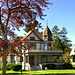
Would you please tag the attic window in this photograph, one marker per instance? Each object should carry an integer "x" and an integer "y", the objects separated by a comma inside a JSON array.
[
  {"x": 45, "y": 36},
  {"x": 32, "y": 38}
]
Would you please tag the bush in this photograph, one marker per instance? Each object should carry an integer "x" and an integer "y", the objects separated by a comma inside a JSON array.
[
  {"x": 17, "y": 67},
  {"x": 9, "y": 66},
  {"x": 67, "y": 66},
  {"x": 50, "y": 66},
  {"x": 12, "y": 66},
  {"x": 1, "y": 66}
]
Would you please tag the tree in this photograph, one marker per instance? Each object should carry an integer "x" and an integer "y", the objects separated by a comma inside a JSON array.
[
  {"x": 62, "y": 40},
  {"x": 16, "y": 14},
  {"x": 57, "y": 44},
  {"x": 55, "y": 31},
  {"x": 65, "y": 40},
  {"x": 34, "y": 25}
]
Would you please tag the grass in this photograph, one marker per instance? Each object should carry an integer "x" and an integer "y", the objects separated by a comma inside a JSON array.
[{"x": 40, "y": 72}]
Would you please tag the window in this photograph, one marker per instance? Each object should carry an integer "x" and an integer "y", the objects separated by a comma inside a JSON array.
[
  {"x": 32, "y": 38},
  {"x": 12, "y": 59},
  {"x": 26, "y": 59},
  {"x": 49, "y": 46},
  {"x": 45, "y": 36},
  {"x": 46, "y": 46},
  {"x": 44, "y": 59},
  {"x": 33, "y": 45}
]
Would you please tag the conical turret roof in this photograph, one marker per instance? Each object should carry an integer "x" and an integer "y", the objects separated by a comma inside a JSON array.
[
  {"x": 47, "y": 35},
  {"x": 47, "y": 32}
]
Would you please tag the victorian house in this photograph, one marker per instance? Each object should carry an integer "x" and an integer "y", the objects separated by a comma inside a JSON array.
[{"x": 42, "y": 51}]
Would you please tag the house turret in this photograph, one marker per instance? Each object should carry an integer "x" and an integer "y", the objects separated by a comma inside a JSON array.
[{"x": 47, "y": 35}]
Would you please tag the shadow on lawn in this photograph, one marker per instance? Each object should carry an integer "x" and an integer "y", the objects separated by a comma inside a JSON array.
[
  {"x": 15, "y": 74},
  {"x": 35, "y": 74},
  {"x": 54, "y": 74}
]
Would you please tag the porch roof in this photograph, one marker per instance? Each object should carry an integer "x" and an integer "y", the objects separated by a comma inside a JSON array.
[{"x": 45, "y": 53}]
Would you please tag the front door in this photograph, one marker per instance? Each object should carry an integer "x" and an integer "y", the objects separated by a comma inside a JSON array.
[{"x": 31, "y": 60}]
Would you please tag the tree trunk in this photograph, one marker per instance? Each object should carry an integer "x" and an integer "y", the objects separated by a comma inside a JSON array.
[
  {"x": 4, "y": 61},
  {"x": 4, "y": 31}
]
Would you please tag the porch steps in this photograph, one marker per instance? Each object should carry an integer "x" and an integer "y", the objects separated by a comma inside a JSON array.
[{"x": 35, "y": 68}]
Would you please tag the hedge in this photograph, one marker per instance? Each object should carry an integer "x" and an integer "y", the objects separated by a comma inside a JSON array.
[
  {"x": 50, "y": 66},
  {"x": 12, "y": 66},
  {"x": 67, "y": 66},
  {"x": 17, "y": 67},
  {"x": 9, "y": 66}
]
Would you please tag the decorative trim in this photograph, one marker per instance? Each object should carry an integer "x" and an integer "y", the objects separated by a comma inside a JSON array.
[{"x": 35, "y": 34}]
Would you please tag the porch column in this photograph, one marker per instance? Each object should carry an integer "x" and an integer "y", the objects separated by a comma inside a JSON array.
[
  {"x": 24, "y": 62},
  {"x": 35, "y": 60},
  {"x": 39, "y": 59},
  {"x": 28, "y": 59}
]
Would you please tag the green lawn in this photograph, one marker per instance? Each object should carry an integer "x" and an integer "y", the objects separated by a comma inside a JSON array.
[{"x": 41, "y": 72}]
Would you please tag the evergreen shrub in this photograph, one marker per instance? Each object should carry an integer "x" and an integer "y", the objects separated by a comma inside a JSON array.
[
  {"x": 9, "y": 66},
  {"x": 50, "y": 66},
  {"x": 67, "y": 66},
  {"x": 12, "y": 66},
  {"x": 17, "y": 67}
]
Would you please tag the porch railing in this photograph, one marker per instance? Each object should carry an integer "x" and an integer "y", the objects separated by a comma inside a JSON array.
[{"x": 57, "y": 51}]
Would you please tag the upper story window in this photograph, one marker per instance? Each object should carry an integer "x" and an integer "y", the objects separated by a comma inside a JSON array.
[
  {"x": 32, "y": 38},
  {"x": 33, "y": 45},
  {"x": 45, "y": 46},
  {"x": 49, "y": 46}
]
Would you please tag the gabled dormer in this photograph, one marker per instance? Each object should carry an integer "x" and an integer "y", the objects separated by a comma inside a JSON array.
[{"x": 47, "y": 35}]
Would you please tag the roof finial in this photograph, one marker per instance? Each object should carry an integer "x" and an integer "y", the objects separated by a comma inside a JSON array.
[{"x": 47, "y": 23}]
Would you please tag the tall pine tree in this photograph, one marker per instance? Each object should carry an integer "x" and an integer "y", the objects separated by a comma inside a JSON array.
[
  {"x": 57, "y": 44},
  {"x": 61, "y": 40}
]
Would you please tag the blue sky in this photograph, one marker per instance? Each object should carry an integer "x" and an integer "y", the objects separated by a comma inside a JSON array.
[{"x": 62, "y": 14}]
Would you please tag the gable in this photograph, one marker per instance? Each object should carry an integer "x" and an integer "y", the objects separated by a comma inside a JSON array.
[{"x": 32, "y": 35}]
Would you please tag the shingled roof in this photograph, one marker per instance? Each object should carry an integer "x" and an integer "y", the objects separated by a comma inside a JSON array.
[
  {"x": 47, "y": 32},
  {"x": 47, "y": 35}
]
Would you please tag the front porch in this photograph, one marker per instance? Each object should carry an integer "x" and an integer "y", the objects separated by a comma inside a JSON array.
[{"x": 41, "y": 60}]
